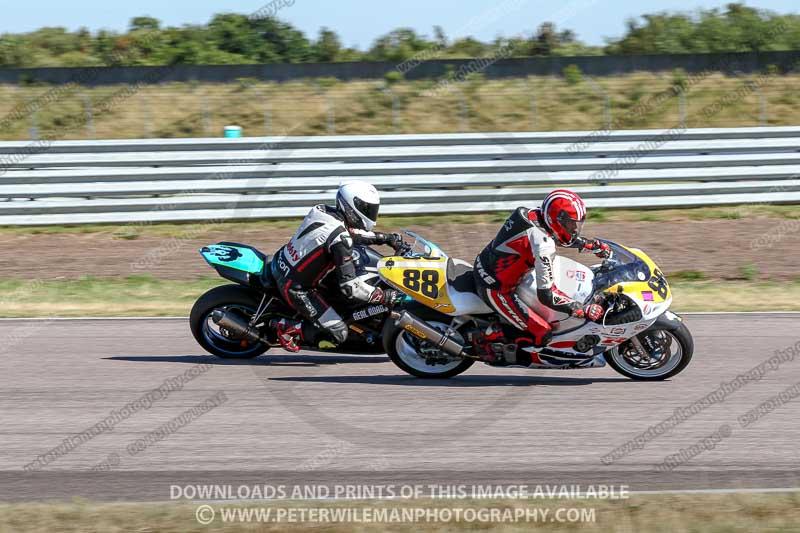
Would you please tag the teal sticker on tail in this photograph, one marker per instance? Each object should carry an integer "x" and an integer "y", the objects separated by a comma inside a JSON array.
[{"x": 240, "y": 258}]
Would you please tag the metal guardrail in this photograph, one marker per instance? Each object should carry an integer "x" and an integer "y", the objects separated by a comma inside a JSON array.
[
  {"x": 145, "y": 180},
  {"x": 357, "y": 141}
]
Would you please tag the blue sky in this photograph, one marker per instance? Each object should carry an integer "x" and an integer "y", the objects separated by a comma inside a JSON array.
[{"x": 359, "y": 22}]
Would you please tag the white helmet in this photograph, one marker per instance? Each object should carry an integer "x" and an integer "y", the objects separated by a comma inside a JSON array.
[{"x": 359, "y": 202}]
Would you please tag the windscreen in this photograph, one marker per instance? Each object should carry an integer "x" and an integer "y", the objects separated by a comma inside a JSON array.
[
  {"x": 421, "y": 247},
  {"x": 623, "y": 266}
]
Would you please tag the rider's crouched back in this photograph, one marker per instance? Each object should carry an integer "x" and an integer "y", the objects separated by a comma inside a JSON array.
[{"x": 324, "y": 243}]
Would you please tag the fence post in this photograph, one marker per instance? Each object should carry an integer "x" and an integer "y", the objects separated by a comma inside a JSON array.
[
  {"x": 763, "y": 116},
  {"x": 34, "y": 129},
  {"x": 330, "y": 110},
  {"x": 395, "y": 107},
  {"x": 396, "y": 112},
  {"x": 206, "y": 115},
  {"x": 533, "y": 107},
  {"x": 607, "y": 101},
  {"x": 682, "y": 108},
  {"x": 463, "y": 108},
  {"x": 331, "y": 113},
  {"x": 267, "y": 113},
  {"x": 87, "y": 104},
  {"x": 144, "y": 111}
]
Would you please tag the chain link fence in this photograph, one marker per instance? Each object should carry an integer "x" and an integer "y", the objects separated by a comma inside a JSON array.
[{"x": 326, "y": 107}]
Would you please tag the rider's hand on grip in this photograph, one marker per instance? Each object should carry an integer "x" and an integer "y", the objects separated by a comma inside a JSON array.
[
  {"x": 594, "y": 312},
  {"x": 392, "y": 297},
  {"x": 601, "y": 249},
  {"x": 395, "y": 240}
]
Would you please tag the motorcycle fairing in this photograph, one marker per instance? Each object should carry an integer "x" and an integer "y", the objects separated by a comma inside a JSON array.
[
  {"x": 240, "y": 263},
  {"x": 236, "y": 256},
  {"x": 423, "y": 279},
  {"x": 651, "y": 285},
  {"x": 441, "y": 283},
  {"x": 640, "y": 280}
]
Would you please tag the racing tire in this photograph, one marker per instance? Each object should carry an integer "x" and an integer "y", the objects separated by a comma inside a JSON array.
[
  {"x": 680, "y": 334},
  {"x": 398, "y": 342},
  {"x": 230, "y": 297}
]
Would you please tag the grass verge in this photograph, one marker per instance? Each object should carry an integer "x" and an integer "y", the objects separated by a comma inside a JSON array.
[
  {"x": 641, "y": 513},
  {"x": 302, "y": 107},
  {"x": 148, "y": 296},
  {"x": 387, "y": 222},
  {"x": 130, "y": 296}
]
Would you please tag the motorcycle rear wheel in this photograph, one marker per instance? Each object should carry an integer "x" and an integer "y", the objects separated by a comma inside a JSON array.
[{"x": 231, "y": 298}]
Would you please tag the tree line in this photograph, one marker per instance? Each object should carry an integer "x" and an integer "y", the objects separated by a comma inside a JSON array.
[{"x": 231, "y": 38}]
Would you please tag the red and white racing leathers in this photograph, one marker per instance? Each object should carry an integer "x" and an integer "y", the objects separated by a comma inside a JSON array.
[{"x": 521, "y": 244}]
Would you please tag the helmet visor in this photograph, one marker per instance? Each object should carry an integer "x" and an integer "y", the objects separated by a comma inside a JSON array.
[
  {"x": 367, "y": 209},
  {"x": 572, "y": 226}
]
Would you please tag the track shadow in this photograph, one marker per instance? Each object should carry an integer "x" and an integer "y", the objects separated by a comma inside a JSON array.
[
  {"x": 458, "y": 381},
  {"x": 272, "y": 360}
]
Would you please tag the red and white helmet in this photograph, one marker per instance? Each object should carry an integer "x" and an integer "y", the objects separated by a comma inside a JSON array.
[{"x": 564, "y": 213}]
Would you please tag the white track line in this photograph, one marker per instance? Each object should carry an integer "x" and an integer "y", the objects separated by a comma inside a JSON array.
[
  {"x": 690, "y": 313},
  {"x": 717, "y": 491},
  {"x": 67, "y": 318},
  {"x": 757, "y": 490},
  {"x": 739, "y": 313}
]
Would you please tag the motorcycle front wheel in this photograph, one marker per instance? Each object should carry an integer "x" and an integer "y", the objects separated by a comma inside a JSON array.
[
  {"x": 418, "y": 358},
  {"x": 655, "y": 354}
]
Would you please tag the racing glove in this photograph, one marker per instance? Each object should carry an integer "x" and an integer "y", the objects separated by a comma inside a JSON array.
[
  {"x": 393, "y": 297},
  {"x": 593, "y": 312},
  {"x": 597, "y": 247},
  {"x": 376, "y": 237},
  {"x": 395, "y": 240},
  {"x": 388, "y": 297}
]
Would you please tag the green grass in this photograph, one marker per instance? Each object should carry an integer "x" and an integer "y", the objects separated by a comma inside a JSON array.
[
  {"x": 598, "y": 215},
  {"x": 686, "y": 275},
  {"x": 735, "y": 295},
  {"x": 695, "y": 513},
  {"x": 360, "y": 107},
  {"x": 129, "y": 296},
  {"x": 135, "y": 231},
  {"x": 748, "y": 271},
  {"x": 148, "y": 296}
]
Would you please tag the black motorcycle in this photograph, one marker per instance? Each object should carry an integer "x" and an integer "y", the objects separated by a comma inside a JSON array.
[{"x": 232, "y": 321}]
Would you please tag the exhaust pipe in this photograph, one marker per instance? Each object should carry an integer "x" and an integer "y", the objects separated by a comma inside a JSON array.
[
  {"x": 423, "y": 331},
  {"x": 237, "y": 325}
]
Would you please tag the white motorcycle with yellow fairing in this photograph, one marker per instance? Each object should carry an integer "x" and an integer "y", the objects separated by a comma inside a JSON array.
[{"x": 435, "y": 336}]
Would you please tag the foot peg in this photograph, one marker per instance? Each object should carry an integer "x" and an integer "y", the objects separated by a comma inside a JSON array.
[
  {"x": 505, "y": 352},
  {"x": 510, "y": 353}
]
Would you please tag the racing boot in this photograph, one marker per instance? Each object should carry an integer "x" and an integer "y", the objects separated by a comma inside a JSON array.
[
  {"x": 289, "y": 332},
  {"x": 484, "y": 343}
]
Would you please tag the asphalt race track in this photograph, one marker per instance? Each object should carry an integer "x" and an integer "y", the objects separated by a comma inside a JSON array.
[{"x": 333, "y": 419}]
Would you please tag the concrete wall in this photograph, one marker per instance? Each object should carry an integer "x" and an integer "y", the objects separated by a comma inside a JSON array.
[{"x": 435, "y": 68}]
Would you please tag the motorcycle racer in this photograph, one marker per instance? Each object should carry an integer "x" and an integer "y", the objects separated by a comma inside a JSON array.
[
  {"x": 324, "y": 242},
  {"x": 528, "y": 239}
]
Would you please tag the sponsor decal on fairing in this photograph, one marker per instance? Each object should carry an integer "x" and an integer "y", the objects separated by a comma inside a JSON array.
[{"x": 369, "y": 311}]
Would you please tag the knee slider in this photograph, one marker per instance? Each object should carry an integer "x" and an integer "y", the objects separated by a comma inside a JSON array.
[{"x": 339, "y": 331}]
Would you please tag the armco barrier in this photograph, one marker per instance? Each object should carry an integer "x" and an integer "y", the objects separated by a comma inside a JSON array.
[{"x": 76, "y": 182}]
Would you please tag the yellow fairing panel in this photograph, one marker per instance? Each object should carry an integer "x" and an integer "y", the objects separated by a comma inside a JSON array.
[
  {"x": 656, "y": 286},
  {"x": 425, "y": 280}
]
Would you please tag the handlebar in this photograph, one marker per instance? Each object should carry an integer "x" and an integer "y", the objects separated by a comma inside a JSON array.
[{"x": 402, "y": 248}]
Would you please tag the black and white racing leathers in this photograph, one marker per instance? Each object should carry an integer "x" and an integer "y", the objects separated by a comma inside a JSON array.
[{"x": 322, "y": 243}]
